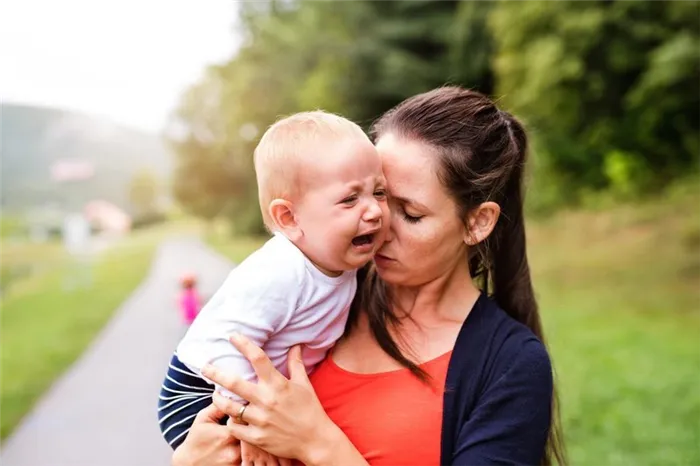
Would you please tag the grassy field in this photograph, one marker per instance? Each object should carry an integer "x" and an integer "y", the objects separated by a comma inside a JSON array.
[
  {"x": 620, "y": 297},
  {"x": 235, "y": 249},
  {"x": 46, "y": 325},
  {"x": 620, "y": 294}
]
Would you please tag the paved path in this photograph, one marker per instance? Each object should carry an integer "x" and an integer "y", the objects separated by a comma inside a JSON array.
[{"x": 102, "y": 411}]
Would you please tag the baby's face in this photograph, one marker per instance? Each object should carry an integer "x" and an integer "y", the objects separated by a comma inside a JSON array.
[{"x": 343, "y": 210}]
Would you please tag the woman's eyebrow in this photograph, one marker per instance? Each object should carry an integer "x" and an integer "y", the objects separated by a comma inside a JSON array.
[{"x": 412, "y": 202}]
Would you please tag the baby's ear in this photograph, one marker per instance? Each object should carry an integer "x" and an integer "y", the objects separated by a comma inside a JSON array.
[{"x": 282, "y": 213}]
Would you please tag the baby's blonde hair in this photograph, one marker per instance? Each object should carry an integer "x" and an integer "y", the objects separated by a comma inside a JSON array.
[{"x": 286, "y": 144}]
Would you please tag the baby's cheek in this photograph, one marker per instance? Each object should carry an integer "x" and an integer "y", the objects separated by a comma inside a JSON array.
[{"x": 386, "y": 212}]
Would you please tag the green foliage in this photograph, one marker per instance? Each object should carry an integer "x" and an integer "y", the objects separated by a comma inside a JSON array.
[
  {"x": 608, "y": 89},
  {"x": 12, "y": 226},
  {"x": 143, "y": 194},
  {"x": 354, "y": 58},
  {"x": 626, "y": 173}
]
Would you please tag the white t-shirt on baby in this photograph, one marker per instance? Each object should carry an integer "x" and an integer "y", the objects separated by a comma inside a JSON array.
[{"x": 278, "y": 299}]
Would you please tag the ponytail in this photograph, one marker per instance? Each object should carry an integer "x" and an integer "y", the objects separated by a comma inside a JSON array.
[
  {"x": 509, "y": 270},
  {"x": 506, "y": 249}
]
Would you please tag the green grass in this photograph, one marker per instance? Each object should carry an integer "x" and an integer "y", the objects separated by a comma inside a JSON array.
[
  {"x": 620, "y": 297},
  {"x": 46, "y": 327},
  {"x": 235, "y": 249},
  {"x": 22, "y": 259},
  {"x": 11, "y": 225}
]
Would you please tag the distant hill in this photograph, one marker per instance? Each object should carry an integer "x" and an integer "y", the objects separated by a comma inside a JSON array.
[{"x": 32, "y": 139}]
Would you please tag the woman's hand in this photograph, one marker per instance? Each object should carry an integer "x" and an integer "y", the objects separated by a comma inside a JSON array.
[
  {"x": 284, "y": 417},
  {"x": 208, "y": 443}
]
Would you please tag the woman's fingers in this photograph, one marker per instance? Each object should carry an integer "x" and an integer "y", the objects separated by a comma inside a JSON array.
[
  {"x": 208, "y": 442},
  {"x": 243, "y": 388},
  {"x": 243, "y": 433},
  {"x": 227, "y": 405},
  {"x": 210, "y": 414},
  {"x": 232, "y": 408},
  {"x": 262, "y": 365},
  {"x": 295, "y": 363}
]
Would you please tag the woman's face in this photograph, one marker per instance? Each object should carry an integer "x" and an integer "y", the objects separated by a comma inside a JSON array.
[{"x": 426, "y": 238}]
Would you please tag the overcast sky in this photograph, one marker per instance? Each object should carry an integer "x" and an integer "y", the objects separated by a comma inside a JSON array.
[{"x": 128, "y": 60}]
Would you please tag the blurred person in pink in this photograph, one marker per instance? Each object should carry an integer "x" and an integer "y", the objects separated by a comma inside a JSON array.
[{"x": 189, "y": 301}]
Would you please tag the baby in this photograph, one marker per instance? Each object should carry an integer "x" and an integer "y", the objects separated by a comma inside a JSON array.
[{"x": 322, "y": 195}]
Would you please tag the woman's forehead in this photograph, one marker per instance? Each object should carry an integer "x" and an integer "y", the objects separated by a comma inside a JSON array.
[
  {"x": 403, "y": 155},
  {"x": 409, "y": 168}
]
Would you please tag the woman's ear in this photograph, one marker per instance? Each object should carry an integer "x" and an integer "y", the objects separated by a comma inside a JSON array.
[
  {"x": 481, "y": 222},
  {"x": 282, "y": 214}
]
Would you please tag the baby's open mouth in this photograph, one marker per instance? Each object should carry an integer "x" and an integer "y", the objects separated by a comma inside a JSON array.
[{"x": 362, "y": 240}]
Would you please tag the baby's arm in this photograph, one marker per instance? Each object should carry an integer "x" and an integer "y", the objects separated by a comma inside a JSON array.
[
  {"x": 249, "y": 302},
  {"x": 253, "y": 304}
]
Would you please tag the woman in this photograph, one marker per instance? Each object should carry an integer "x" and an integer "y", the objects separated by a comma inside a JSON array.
[{"x": 431, "y": 370}]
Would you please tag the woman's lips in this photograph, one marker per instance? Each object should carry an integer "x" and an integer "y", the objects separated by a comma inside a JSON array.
[{"x": 380, "y": 259}]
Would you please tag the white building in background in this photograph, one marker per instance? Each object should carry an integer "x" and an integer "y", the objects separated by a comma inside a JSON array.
[{"x": 76, "y": 234}]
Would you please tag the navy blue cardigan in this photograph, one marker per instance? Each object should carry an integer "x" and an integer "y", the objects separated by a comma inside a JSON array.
[
  {"x": 498, "y": 393},
  {"x": 497, "y": 402}
]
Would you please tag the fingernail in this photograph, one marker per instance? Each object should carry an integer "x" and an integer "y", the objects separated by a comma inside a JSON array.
[{"x": 235, "y": 336}]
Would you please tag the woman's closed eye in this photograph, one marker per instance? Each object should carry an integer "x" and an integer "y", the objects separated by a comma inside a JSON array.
[{"x": 411, "y": 218}]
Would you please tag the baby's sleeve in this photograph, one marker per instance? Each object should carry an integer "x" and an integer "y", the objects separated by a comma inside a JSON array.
[{"x": 253, "y": 302}]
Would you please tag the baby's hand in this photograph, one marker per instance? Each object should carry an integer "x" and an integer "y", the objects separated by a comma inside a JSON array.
[{"x": 254, "y": 456}]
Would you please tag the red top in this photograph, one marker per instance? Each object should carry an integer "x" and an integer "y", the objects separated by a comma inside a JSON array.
[{"x": 391, "y": 417}]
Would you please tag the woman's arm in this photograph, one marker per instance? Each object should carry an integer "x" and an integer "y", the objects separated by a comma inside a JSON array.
[
  {"x": 512, "y": 418},
  {"x": 284, "y": 416}
]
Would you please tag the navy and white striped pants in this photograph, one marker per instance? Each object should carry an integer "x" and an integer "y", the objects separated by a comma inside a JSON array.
[{"x": 182, "y": 395}]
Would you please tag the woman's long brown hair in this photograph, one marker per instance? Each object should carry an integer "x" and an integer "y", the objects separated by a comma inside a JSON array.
[{"x": 482, "y": 154}]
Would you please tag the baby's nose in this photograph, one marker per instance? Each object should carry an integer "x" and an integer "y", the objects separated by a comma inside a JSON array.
[{"x": 373, "y": 212}]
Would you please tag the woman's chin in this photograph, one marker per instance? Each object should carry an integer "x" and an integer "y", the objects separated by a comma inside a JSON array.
[{"x": 386, "y": 269}]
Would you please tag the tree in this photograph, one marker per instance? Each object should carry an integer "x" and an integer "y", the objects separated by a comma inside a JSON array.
[
  {"x": 143, "y": 194},
  {"x": 609, "y": 88}
]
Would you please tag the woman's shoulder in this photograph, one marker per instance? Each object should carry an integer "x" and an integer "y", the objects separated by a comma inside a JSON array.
[
  {"x": 499, "y": 391},
  {"x": 491, "y": 344}
]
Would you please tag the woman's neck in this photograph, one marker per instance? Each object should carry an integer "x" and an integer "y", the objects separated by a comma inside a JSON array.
[{"x": 448, "y": 297}]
